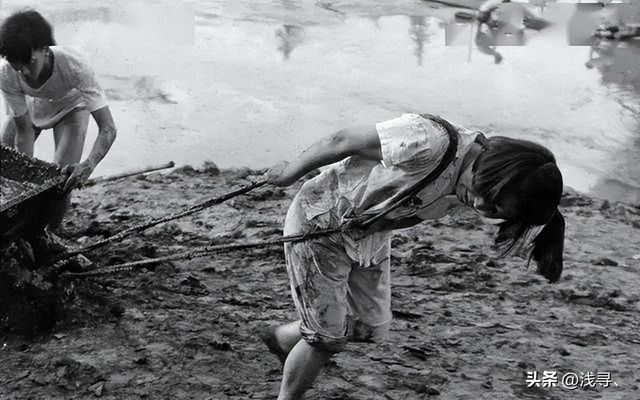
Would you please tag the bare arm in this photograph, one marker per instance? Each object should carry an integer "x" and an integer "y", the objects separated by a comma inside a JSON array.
[
  {"x": 24, "y": 136},
  {"x": 8, "y": 132},
  {"x": 106, "y": 137},
  {"x": 486, "y": 8},
  {"x": 17, "y": 130},
  {"x": 362, "y": 141}
]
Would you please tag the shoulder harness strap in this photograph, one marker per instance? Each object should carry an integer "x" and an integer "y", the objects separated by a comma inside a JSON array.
[{"x": 410, "y": 196}]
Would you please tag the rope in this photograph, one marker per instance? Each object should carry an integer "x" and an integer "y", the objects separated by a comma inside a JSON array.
[
  {"x": 445, "y": 161},
  {"x": 62, "y": 260},
  {"x": 202, "y": 252},
  {"x": 408, "y": 195}
]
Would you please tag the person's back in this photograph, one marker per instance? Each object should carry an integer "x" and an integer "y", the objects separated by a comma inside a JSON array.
[{"x": 412, "y": 147}]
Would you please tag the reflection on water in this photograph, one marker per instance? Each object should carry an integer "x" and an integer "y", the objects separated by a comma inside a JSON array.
[
  {"x": 289, "y": 36},
  {"x": 507, "y": 25},
  {"x": 618, "y": 62},
  {"x": 291, "y": 5},
  {"x": 252, "y": 91},
  {"x": 485, "y": 44},
  {"x": 588, "y": 17},
  {"x": 541, "y": 4},
  {"x": 418, "y": 33}
]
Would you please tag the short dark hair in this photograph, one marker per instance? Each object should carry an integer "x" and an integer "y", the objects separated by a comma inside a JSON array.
[
  {"x": 23, "y": 32},
  {"x": 527, "y": 173}
]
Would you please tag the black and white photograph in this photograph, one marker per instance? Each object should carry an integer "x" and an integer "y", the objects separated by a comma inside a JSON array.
[{"x": 320, "y": 199}]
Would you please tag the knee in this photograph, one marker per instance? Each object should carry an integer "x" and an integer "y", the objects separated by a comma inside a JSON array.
[{"x": 361, "y": 332}]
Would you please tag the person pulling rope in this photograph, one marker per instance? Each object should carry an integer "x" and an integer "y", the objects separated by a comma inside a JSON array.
[{"x": 353, "y": 226}]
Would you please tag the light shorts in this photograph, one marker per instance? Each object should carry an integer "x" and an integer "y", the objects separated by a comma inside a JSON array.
[{"x": 337, "y": 297}]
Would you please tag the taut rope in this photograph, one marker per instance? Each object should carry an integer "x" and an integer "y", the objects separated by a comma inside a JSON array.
[
  {"x": 202, "y": 252},
  {"x": 63, "y": 259}
]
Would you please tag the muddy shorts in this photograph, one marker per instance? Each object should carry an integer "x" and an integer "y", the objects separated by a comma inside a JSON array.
[{"x": 338, "y": 296}]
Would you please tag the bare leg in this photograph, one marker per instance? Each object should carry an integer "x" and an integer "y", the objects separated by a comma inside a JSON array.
[
  {"x": 300, "y": 370},
  {"x": 8, "y": 133},
  {"x": 288, "y": 336},
  {"x": 23, "y": 138},
  {"x": 69, "y": 135},
  {"x": 282, "y": 339}
]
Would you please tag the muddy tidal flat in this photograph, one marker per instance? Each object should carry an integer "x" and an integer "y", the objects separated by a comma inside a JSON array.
[{"x": 467, "y": 325}]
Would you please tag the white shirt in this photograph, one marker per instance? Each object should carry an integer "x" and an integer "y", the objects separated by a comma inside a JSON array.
[
  {"x": 72, "y": 85},
  {"x": 412, "y": 147}
]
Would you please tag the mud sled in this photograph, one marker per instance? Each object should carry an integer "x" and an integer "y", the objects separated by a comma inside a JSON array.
[{"x": 31, "y": 295}]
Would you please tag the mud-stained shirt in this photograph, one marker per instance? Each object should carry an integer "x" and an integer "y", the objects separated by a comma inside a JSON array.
[
  {"x": 412, "y": 147},
  {"x": 72, "y": 85}
]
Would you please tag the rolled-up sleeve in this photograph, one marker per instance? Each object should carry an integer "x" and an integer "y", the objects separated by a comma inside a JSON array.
[{"x": 411, "y": 142}]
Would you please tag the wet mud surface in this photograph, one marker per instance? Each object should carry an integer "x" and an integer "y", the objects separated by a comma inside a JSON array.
[{"x": 467, "y": 325}]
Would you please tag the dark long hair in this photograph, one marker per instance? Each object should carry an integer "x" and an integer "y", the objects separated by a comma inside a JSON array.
[
  {"x": 23, "y": 32},
  {"x": 527, "y": 174}
]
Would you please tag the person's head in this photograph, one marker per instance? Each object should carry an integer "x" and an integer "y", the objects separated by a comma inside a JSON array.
[
  {"x": 519, "y": 182},
  {"x": 24, "y": 36}
]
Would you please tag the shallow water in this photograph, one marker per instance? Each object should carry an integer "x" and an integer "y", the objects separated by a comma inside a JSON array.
[{"x": 250, "y": 83}]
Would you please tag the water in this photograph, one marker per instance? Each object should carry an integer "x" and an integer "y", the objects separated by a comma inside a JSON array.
[{"x": 251, "y": 83}]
